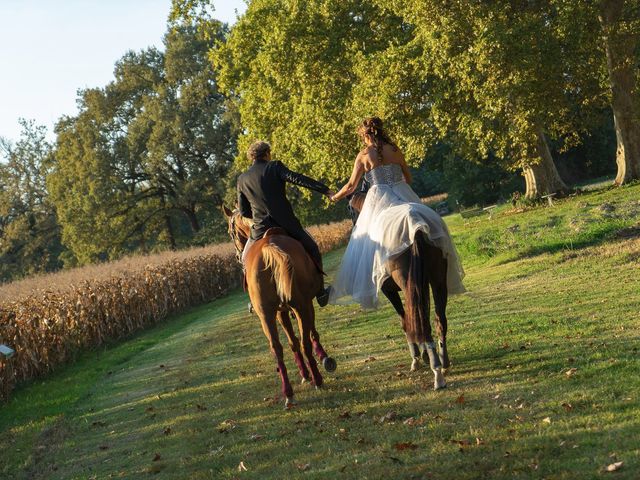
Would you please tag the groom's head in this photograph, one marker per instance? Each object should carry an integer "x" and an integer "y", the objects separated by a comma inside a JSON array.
[{"x": 259, "y": 152}]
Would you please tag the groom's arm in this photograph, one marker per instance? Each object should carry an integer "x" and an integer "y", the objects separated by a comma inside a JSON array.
[
  {"x": 243, "y": 205},
  {"x": 299, "y": 179}
]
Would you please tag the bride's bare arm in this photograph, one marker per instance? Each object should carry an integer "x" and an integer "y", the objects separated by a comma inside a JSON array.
[{"x": 350, "y": 186}]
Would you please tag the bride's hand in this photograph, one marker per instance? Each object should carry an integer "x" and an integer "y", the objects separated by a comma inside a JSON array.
[{"x": 331, "y": 194}]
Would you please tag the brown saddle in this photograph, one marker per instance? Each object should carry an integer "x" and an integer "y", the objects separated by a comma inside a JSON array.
[{"x": 275, "y": 231}]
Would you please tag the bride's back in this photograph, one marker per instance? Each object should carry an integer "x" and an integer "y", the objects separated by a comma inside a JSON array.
[{"x": 391, "y": 154}]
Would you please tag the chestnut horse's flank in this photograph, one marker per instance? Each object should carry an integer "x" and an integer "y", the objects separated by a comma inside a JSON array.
[
  {"x": 414, "y": 271},
  {"x": 281, "y": 278}
]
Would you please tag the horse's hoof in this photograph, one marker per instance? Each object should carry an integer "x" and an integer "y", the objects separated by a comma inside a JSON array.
[
  {"x": 415, "y": 364},
  {"x": 289, "y": 403},
  {"x": 303, "y": 381},
  {"x": 439, "y": 382},
  {"x": 329, "y": 364}
]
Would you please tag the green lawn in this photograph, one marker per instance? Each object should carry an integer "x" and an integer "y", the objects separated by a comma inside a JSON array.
[{"x": 545, "y": 381}]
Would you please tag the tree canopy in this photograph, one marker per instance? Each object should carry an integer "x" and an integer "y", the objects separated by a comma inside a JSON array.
[{"x": 144, "y": 162}]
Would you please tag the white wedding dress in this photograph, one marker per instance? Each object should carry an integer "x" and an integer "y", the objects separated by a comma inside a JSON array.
[{"x": 391, "y": 215}]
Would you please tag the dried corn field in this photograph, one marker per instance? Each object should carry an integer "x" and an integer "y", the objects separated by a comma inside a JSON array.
[{"x": 48, "y": 319}]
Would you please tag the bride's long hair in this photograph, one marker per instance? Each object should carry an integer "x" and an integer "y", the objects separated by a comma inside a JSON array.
[{"x": 373, "y": 128}]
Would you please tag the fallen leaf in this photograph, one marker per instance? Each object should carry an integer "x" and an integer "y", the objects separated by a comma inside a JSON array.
[
  {"x": 460, "y": 399},
  {"x": 304, "y": 467},
  {"x": 395, "y": 460},
  {"x": 567, "y": 406},
  {"x": 345, "y": 414},
  {"x": 167, "y": 430},
  {"x": 241, "y": 467},
  {"x": 156, "y": 457},
  {"x": 255, "y": 437},
  {"x": 546, "y": 420},
  {"x": 226, "y": 426},
  {"x": 370, "y": 359},
  {"x": 201, "y": 407},
  {"x": 571, "y": 372},
  {"x": 388, "y": 417},
  {"x": 614, "y": 466},
  {"x": 405, "y": 446},
  {"x": 479, "y": 441},
  {"x": 462, "y": 443}
]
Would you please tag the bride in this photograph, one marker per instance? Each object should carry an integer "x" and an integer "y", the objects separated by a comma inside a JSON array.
[{"x": 391, "y": 215}]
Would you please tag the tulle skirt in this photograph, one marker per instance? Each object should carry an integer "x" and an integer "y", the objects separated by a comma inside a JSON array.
[{"x": 390, "y": 217}]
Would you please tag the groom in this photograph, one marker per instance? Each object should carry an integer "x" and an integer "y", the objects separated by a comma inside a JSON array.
[{"x": 262, "y": 197}]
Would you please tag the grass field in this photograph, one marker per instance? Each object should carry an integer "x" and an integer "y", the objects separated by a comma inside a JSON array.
[{"x": 545, "y": 381}]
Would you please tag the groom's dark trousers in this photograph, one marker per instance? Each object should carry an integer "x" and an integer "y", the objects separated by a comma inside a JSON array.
[{"x": 262, "y": 197}]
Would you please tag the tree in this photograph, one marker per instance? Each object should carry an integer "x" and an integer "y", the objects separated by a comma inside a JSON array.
[
  {"x": 620, "y": 20},
  {"x": 290, "y": 67},
  {"x": 500, "y": 81},
  {"x": 142, "y": 165},
  {"x": 29, "y": 231}
]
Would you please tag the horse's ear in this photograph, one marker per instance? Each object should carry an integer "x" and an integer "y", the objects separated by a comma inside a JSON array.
[{"x": 227, "y": 213}]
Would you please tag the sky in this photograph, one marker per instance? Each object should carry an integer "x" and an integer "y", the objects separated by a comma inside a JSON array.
[{"x": 51, "y": 48}]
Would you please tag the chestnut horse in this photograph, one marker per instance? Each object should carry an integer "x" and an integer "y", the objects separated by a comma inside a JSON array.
[
  {"x": 281, "y": 278},
  {"x": 412, "y": 272}
]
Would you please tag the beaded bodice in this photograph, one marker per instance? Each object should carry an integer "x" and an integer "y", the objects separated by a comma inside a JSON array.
[{"x": 385, "y": 175}]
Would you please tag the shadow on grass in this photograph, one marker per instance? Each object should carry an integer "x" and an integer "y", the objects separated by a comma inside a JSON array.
[{"x": 594, "y": 237}]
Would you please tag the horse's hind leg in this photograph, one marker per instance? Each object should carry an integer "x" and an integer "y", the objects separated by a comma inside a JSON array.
[
  {"x": 306, "y": 318},
  {"x": 328, "y": 363},
  {"x": 270, "y": 329},
  {"x": 429, "y": 350},
  {"x": 391, "y": 291},
  {"x": 438, "y": 280},
  {"x": 294, "y": 343}
]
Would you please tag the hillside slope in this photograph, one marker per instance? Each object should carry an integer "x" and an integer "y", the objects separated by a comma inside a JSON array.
[{"x": 545, "y": 379}]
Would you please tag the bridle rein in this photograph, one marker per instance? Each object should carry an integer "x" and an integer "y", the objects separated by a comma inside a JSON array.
[{"x": 235, "y": 236}]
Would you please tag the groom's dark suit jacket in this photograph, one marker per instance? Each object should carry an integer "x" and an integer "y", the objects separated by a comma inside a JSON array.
[{"x": 262, "y": 197}]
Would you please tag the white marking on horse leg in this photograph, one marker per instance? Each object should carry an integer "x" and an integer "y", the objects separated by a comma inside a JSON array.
[
  {"x": 438, "y": 381},
  {"x": 415, "y": 364}
]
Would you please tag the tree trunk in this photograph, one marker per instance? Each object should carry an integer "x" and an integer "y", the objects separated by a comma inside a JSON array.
[
  {"x": 170, "y": 234},
  {"x": 542, "y": 178},
  {"x": 193, "y": 219},
  {"x": 620, "y": 46}
]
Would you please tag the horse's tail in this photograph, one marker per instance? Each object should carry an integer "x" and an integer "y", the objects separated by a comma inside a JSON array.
[
  {"x": 281, "y": 267},
  {"x": 416, "y": 319}
]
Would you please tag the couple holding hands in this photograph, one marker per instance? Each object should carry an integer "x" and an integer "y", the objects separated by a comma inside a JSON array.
[{"x": 391, "y": 215}]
